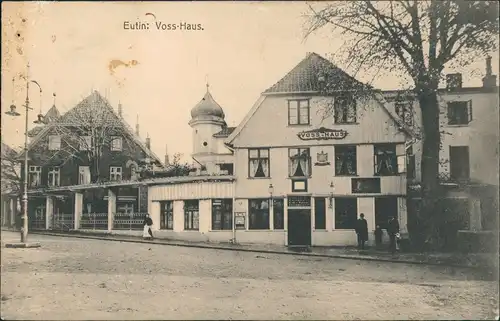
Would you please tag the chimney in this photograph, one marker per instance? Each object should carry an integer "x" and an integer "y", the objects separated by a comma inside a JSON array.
[
  {"x": 489, "y": 80},
  {"x": 120, "y": 110},
  {"x": 167, "y": 160},
  {"x": 454, "y": 81},
  {"x": 148, "y": 142},
  {"x": 137, "y": 126}
]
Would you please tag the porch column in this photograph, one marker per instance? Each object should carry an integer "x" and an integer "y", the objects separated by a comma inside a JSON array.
[
  {"x": 111, "y": 208},
  {"x": 12, "y": 211},
  {"x": 4, "y": 211},
  {"x": 49, "y": 212},
  {"x": 285, "y": 219},
  {"x": 475, "y": 214},
  {"x": 78, "y": 209}
]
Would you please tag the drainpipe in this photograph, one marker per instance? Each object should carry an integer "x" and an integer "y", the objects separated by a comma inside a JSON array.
[
  {"x": 234, "y": 198},
  {"x": 233, "y": 240}
]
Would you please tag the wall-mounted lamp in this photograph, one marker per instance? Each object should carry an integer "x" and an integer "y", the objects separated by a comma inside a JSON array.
[
  {"x": 271, "y": 190},
  {"x": 40, "y": 119},
  {"x": 332, "y": 189}
]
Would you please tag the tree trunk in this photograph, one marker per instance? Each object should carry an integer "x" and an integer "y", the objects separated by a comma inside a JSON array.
[
  {"x": 94, "y": 170},
  {"x": 427, "y": 223}
]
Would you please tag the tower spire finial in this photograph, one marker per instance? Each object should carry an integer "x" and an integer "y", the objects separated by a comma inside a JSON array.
[
  {"x": 54, "y": 99},
  {"x": 206, "y": 81}
]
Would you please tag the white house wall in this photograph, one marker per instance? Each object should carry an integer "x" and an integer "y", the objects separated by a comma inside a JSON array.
[
  {"x": 481, "y": 135},
  {"x": 269, "y": 125}
]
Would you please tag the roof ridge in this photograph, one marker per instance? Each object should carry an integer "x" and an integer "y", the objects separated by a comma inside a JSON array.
[{"x": 305, "y": 76}]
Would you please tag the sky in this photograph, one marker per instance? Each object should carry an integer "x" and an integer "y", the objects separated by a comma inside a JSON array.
[{"x": 244, "y": 48}]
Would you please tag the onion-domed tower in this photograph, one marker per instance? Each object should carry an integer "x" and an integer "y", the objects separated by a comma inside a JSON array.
[{"x": 207, "y": 119}]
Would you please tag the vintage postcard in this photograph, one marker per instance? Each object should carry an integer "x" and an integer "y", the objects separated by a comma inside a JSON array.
[{"x": 250, "y": 160}]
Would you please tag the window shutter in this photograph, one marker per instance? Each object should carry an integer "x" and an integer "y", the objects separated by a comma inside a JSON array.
[
  {"x": 401, "y": 164},
  {"x": 450, "y": 113},
  {"x": 469, "y": 110}
]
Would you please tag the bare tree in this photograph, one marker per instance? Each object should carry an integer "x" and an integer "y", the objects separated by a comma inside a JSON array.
[
  {"x": 11, "y": 178},
  {"x": 85, "y": 133},
  {"x": 417, "y": 39}
]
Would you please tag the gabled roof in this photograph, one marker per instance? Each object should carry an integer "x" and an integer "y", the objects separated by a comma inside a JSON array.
[
  {"x": 72, "y": 118},
  {"x": 225, "y": 132},
  {"x": 51, "y": 116},
  {"x": 310, "y": 75},
  {"x": 7, "y": 150},
  {"x": 306, "y": 77}
]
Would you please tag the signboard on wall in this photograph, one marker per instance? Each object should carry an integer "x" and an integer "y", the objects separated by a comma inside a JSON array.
[
  {"x": 322, "y": 134},
  {"x": 239, "y": 220}
]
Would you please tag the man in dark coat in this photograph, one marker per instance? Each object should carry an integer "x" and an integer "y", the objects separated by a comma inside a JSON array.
[
  {"x": 362, "y": 231},
  {"x": 392, "y": 230}
]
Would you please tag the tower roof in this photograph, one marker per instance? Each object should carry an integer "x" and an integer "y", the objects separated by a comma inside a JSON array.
[{"x": 207, "y": 107}]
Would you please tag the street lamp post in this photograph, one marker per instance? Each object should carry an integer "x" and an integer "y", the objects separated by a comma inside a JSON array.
[{"x": 13, "y": 112}]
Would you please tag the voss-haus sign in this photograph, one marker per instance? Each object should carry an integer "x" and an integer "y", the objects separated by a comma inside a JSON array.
[{"x": 322, "y": 134}]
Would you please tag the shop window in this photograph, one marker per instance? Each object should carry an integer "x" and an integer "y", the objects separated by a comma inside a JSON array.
[
  {"x": 222, "y": 214},
  {"x": 258, "y": 212}
]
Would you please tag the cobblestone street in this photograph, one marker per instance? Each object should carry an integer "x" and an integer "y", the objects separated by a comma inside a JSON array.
[{"x": 70, "y": 279}]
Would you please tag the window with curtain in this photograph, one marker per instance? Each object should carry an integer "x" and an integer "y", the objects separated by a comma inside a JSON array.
[
  {"x": 386, "y": 160},
  {"x": 222, "y": 214},
  {"x": 345, "y": 160},
  {"x": 299, "y": 163},
  {"x": 258, "y": 212},
  {"x": 258, "y": 163}
]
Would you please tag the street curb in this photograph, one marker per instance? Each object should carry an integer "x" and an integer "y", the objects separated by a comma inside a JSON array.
[{"x": 215, "y": 247}]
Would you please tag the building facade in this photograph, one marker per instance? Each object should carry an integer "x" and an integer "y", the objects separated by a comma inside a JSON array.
[
  {"x": 299, "y": 178},
  {"x": 469, "y": 154},
  {"x": 89, "y": 144}
]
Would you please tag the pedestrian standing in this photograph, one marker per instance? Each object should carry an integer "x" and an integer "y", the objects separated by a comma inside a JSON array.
[
  {"x": 148, "y": 222},
  {"x": 378, "y": 236},
  {"x": 362, "y": 231},
  {"x": 393, "y": 231}
]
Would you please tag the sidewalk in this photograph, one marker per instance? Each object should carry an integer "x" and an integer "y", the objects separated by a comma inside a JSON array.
[{"x": 479, "y": 260}]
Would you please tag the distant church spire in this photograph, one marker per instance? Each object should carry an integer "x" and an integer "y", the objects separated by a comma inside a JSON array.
[{"x": 137, "y": 126}]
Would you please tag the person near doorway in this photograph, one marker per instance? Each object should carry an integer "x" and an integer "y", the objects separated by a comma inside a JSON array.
[
  {"x": 378, "y": 236},
  {"x": 362, "y": 231},
  {"x": 393, "y": 231},
  {"x": 148, "y": 222}
]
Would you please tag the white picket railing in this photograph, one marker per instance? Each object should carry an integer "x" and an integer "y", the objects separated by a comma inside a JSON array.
[
  {"x": 128, "y": 221},
  {"x": 94, "y": 221}
]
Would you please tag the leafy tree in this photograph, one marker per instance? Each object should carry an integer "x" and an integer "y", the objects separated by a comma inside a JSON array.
[
  {"x": 416, "y": 39},
  {"x": 175, "y": 168}
]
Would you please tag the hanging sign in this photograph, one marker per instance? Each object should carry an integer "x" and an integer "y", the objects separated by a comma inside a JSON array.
[
  {"x": 322, "y": 134},
  {"x": 239, "y": 220}
]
